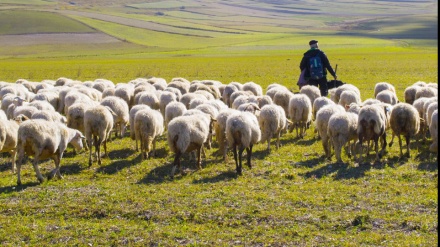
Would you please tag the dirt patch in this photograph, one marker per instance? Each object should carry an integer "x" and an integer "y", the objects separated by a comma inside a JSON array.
[{"x": 56, "y": 38}]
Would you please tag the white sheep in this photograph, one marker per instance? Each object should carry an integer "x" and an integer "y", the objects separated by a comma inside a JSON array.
[
  {"x": 180, "y": 83},
  {"x": 272, "y": 121},
  {"x": 120, "y": 108},
  {"x": 427, "y": 92},
  {"x": 187, "y": 98},
  {"x": 253, "y": 87},
  {"x": 8, "y": 139},
  {"x": 347, "y": 97},
  {"x": 387, "y": 96},
  {"x": 125, "y": 91},
  {"x": 227, "y": 92},
  {"x": 220, "y": 130},
  {"x": 433, "y": 130},
  {"x": 150, "y": 99},
  {"x": 44, "y": 140},
  {"x": 320, "y": 102},
  {"x": 410, "y": 94},
  {"x": 165, "y": 98},
  {"x": 282, "y": 98},
  {"x": 372, "y": 124},
  {"x": 49, "y": 115},
  {"x": 429, "y": 111},
  {"x": 311, "y": 91},
  {"x": 186, "y": 134},
  {"x": 300, "y": 113},
  {"x": 242, "y": 132},
  {"x": 173, "y": 110},
  {"x": 404, "y": 120},
  {"x": 380, "y": 86},
  {"x": 148, "y": 126},
  {"x": 132, "y": 114},
  {"x": 342, "y": 129},
  {"x": 337, "y": 93},
  {"x": 98, "y": 124},
  {"x": 321, "y": 125}
]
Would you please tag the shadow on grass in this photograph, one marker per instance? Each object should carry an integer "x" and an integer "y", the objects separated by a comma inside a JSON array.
[
  {"x": 70, "y": 169},
  {"x": 118, "y": 165},
  {"x": 159, "y": 174},
  {"x": 15, "y": 188},
  {"x": 121, "y": 154},
  {"x": 225, "y": 176},
  {"x": 342, "y": 170},
  {"x": 310, "y": 162}
]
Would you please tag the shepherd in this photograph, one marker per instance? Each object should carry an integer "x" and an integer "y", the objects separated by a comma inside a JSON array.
[{"x": 315, "y": 63}]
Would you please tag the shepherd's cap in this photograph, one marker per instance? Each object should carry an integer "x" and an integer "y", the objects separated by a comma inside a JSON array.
[{"x": 312, "y": 42}]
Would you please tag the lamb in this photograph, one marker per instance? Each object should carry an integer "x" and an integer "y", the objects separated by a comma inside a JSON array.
[
  {"x": 300, "y": 113},
  {"x": 342, "y": 128},
  {"x": 272, "y": 121},
  {"x": 387, "y": 96},
  {"x": 242, "y": 132},
  {"x": 148, "y": 126},
  {"x": 44, "y": 140},
  {"x": 120, "y": 108},
  {"x": 98, "y": 123},
  {"x": 311, "y": 91},
  {"x": 372, "y": 122},
  {"x": 405, "y": 121},
  {"x": 380, "y": 86},
  {"x": 220, "y": 130},
  {"x": 186, "y": 134},
  {"x": 321, "y": 125},
  {"x": 8, "y": 139},
  {"x": 433, "y": 129},
  {"x": 253, "y": 87}
]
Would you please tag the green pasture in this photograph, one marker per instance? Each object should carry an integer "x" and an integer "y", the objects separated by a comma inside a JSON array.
[
  {"x": 292, "y": 196},
  {"x": 28, "y": 22}
]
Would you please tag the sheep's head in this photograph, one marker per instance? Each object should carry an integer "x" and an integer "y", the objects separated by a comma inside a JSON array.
[{"x": 77, "y": 140}]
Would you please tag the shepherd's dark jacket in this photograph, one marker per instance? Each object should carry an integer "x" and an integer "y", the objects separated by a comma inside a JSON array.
[{"x": 325, "y": 63}]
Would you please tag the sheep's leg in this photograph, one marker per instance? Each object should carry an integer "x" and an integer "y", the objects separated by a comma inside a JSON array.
[
  {"x": 361, "y": 139},
  {"x": 90, "y": 152},
  {"x": 384, "y": 144},
  {"x": 19, "y": 163},
  {"x": 199, "y": 157},
  {"x": 203, "y": 152},
  {"x": 57, "y": 160},
  {"x": 268, "y": 142},
  {"x": 400, "y": 145},
  {"x": 240, "y": 158},
  {"x": 37, "y": 170},
  {"x": 407, "y": 136},
  {"x": 143, "y": 148},
  {"x": 278, "y": 139},
  {"x": 237, "y": 166},
  {"x": 325, "y": 145},
  {"x": 13, "y": 158},
  {"x": 176, "y": 164},
  {"x": 392, "y": 140},
  {"x": 104, "y": 143},
  {"x": 154, "y": 147},
  {"x": 137, "y": 138},
  {"x": 98, "y": 150},
  {"x": 376, "y": 148},
  {"x": 249, "y": 156},
  {"x": 225, "y": 150}
]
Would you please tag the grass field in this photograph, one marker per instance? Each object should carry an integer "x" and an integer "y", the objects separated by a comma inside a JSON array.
[{"x": 292, "y": 196}]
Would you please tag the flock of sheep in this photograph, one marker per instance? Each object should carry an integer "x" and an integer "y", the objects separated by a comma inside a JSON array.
[{"x": 40, "y": 119}]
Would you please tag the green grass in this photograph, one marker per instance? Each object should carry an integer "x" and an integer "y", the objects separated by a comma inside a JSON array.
[
  {"x": 291, "y": 197},
  {"x": 26, "y": 22}
]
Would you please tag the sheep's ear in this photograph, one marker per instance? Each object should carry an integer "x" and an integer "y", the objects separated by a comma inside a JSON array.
[
  {"x": 213, "y": 119},
  {"x": 289, "y": 122}
]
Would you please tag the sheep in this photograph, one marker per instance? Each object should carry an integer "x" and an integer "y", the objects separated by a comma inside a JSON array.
[
  {"x": 300, "y": 113},
  {"x": 321, "y": 124},
  {"x": 7, "y": 100},
  {"x": 410, "y": 94},
  {"x": 196, "y": 102},
  {"x": 347, "y": 97},
  {"x": 311, "y": 91},
  {"x": 16, "y": 102},
  {"x": 148, "y": 126},
  {"x": 218, "y": 104},
  {"x": 132, "y": 114},
  {"x": 433, "y": 85},
  {"x": 98, "y": 124},
  {"x": 44, "y": 140},
  {"x": 427, "y": 92},
  {"x": 186, "y": 134},
  {"x": 227, "y": 92},
  {"x": 371, "y": 101},
  {"x": 187, "y": 98},
  {"x": 108, "y": 92},
  {"x": 337, "y": 93},
  {"x": 181, "y": 84},
  {"x": 212, "y": 89},
  {"x": 272, "y": 121},
  {"x": 205, "y": 93},
  {"x": 429, "y": 110},
  {"x": 404, "y": 120},
  {"x": 164, "y": 99},
  {"x": 419, "y": 104},
  {"x": 353, "y": 108},
  {"x": 50, "y": 96},
  {"x": 120, "y": 108},
  {"x": 25, "y": 110},
  {"x": 387, "y": 96},
  {"x": 173, "y": 110},
  {"x": 73, "y": 96},
  {"x": 49, "y": 115},
  {"x": 242, "y": 99},
  {"x": 174, "y": 91},
  {"x": 237, "y": 94},
  {"x": 433, "y": 130},
  {"x": 42, "y": 105},
  {"x": 62, "y": 81},
  {"x": 272, "y": 89},
  {"x": 75, "y": 115},
  {"x": 150, "y": 99},
  {"x": 8, "y": 139},
  {"x": 242, "y": 132},
  {"x": 3, "y": 115},
  {"x": 158, "y": 83},
  {"x": 125, "y": 91},
  {"x": 380, "y": 86},
  {"x": 318, "y": 103},
  {"x": 372, "y": 122},
  {"x": 282, "y": 98},
  {"x": 212, "y": 112},
  {"x": 253, "y": 87},
  {"x": 342, "y": 128},
  {"x": 92, "y": 93},
  {"x": 250, "y": 107},
  {"x": 220, "y": 130}
]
